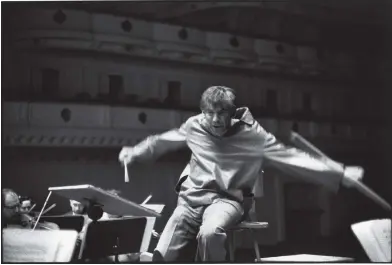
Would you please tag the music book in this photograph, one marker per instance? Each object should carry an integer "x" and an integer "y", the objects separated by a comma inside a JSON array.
[
  {"x": 375, "y": 238},
  {"x": 28, "y": 246}
]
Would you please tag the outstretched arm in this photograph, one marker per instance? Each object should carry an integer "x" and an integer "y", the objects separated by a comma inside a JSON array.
[
  {"x": 156, "y": 145},
  {"x": 293, "y": 161}
]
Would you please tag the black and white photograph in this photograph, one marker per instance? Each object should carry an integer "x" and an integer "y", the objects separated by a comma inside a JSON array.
[{"x": 196, "y": 131}]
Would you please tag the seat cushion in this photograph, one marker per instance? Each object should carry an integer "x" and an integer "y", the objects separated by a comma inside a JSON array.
[{"x": 250, "y": 225}]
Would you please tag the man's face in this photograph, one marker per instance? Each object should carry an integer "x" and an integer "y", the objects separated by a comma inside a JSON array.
[
  {"x": 11, "y": 206},
  {"x": 77, "y": 207},
  {"x": 25, "y": 206},
  {"x": 218, "y": 120}
]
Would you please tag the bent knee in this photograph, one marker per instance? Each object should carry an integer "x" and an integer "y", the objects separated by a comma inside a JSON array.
[{"x": 207, "y": 232}]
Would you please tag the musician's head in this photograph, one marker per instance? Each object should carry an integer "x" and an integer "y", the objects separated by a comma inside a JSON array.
[
  {"x": 77, "y": 207},
  {"x": 25, "y": 204},
  {"x": 10, "y": 203},
  {"x": 218, "y": 107}
]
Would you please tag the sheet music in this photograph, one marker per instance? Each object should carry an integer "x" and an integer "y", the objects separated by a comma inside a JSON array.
[
  {"x": 28, "y": 246},
  {"x": 25, "y": 245},
  {"x": 375, "y": 238},
  {"x": 307, "y": 258}
]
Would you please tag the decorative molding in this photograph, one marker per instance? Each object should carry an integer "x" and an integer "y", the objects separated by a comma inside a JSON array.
[
  {"x": 163, "y": 41},
  {"x": 82, "y": 154},
  {"x": 328, "y": 11},
  {"x": 41, "y": 124}
]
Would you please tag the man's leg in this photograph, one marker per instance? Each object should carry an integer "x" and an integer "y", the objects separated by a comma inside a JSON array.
[
  {"x": 217, "y": 217},
  {"x": 178, "y": 234}
]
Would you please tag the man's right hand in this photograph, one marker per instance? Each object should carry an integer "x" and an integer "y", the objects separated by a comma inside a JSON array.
[{"x": 126, "y": 155}]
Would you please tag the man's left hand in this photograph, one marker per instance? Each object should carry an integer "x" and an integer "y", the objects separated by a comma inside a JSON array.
[{"x": 352, "y": 175}]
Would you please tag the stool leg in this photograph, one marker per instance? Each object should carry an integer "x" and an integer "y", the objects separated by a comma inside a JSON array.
[
  {"x": 256, "y": 246},
  {"x": 230, "y": 237}
]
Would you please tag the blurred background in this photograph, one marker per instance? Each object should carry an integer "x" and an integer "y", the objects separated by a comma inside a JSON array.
[{"x": 82, "y": 79}]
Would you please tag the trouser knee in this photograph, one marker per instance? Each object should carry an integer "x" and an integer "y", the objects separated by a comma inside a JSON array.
[{"x": 209, "y": 233}]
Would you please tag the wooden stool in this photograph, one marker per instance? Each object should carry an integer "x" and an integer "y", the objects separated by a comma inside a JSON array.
[{"x": 245, "y": 225}]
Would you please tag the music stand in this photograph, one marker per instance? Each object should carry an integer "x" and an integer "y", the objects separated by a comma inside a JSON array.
[
  {"x": 113, "y": 237},
  {"x": 149, "y": 226},
  {"x": 67, "y": 222},
  {"x": 96, "y": 197}
]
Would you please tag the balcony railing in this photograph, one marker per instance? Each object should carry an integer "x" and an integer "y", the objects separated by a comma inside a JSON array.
[
  {"x": 78, "y": 30},
  {"x": 70, "y": 124}
]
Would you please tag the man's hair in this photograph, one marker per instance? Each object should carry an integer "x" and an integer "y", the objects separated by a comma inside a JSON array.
[
  {"x": 25, "y": 198},
  {"x": 84, "y": 209},
  {"x": 5, "y": 192},
  {"x": 218, "y": 97},
  {"x": 4, "y": 220}
]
